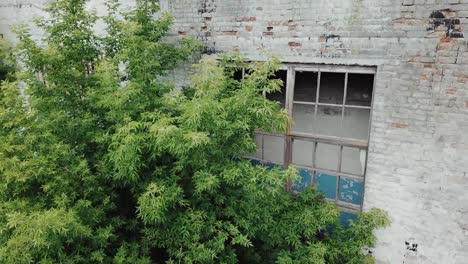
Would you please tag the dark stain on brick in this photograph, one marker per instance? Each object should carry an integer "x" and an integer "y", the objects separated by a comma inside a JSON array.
[
  {"x": 411, "y": 246},
  {"x": 327, "y": 37},
  {"x": 445, "y": 17},
  {"x": 209, "y": 50},
  {"x": 437, "y": 14},
  {"x": 269, "y": 28}
]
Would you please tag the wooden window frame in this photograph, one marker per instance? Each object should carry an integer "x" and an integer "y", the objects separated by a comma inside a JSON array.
[{"x": 342, "y": 142}]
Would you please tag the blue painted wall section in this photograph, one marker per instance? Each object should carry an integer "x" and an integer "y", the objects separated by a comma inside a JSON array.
[
  {"x": 351, "y": 191},
  {"x": 327, "y": 184},
  {"x": 305, "y": 181},
  {"x": 346, "y": 217}
]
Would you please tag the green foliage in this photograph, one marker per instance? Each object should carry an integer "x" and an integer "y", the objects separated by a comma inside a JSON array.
[{"x": 102, "y": 161}]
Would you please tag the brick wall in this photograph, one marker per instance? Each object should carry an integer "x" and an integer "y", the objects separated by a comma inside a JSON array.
[{"x": 418, "y": 153}]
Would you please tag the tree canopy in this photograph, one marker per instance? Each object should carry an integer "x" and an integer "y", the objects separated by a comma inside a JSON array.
[{"x": 102, "y": 160}]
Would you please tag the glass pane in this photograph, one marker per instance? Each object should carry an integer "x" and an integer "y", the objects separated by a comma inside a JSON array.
[
  {"x": 304, "y": 182},
  {"x": 351, "y": 191},
  {"x": 360, "y": 88},
  {"x": 303, "y": 117},
  {"x": 353, "y": 161},
  {"x": 356, "y": 123},
  {"x": 331, "y": 88},
  {"x": 273, "y": 149},
  {"x": 327, "y": 156},
  {"x": 305, "y": 87},
  {"x": 327, "y": 184},
  {"x": 279, "y": 96},
  {"x": 328, "y": 121},
  {"x": 258, "y": 142},
  {"x": 303, "y": 152}
]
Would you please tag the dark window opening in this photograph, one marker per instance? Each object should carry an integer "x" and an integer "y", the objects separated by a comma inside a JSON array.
[
  {"x": 238, "y": 74},
  {"x": 360, "y": 88},
  {"x": 279, "y": 96},
  {"x": 305, "y": 87},
  {"x": 331, "y": 88}
]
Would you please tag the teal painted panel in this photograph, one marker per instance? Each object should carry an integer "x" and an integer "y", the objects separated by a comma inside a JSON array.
[
  {"x": 327, "y": 184},
  {"x": 346, "y": 217},
  {"x": 351, "y": 191},
  {"x": 304, "y": 182}
]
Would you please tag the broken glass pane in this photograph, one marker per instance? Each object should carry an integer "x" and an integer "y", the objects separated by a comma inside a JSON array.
[
  {"x": 238, "y": 74},
  {"x": 279, "y": 96},
  {"x": 360, "y": 88},
  {"x": 356, "y": 123},
  {"x": 305, "y": 87},
  {"x": 331, "y": 88},
  {"x": 353, "y": 161},
  {"x": 303, "y": 152}
]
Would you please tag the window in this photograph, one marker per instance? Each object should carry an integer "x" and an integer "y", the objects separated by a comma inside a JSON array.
[{"x": 328, "y": 141}]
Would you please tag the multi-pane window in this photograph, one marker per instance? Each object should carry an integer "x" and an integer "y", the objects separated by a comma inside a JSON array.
[{"x": 328, "y": 138}]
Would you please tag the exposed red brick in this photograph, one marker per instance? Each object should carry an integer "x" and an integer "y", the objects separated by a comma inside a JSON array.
[
  {"x": 399, "y": 125},
  {"x": 451, "y": 91},
  {"x": 412, "y": 59},
  {"x": 466, "y": 104},
  {"x": 182, "y": 33},
  {"x": 246, "y": 19},
  {"x": 267, "y": 33},
  {"x": 294, "y": 44},
  {"x": 230, "y": 33},
  {"x": 248, "y": 28}
]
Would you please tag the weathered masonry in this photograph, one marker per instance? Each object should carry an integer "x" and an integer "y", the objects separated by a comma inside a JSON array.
[{"x": 378, "y": 91}]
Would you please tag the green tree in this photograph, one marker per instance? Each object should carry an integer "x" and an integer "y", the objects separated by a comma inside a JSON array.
[{"x": 103, "y": 161}]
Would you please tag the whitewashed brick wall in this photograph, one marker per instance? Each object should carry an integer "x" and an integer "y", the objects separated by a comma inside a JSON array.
[{"x": 418, "y": 154}]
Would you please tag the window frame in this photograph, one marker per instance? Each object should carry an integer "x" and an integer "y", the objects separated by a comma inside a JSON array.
[{"x": 341, "y": 142}]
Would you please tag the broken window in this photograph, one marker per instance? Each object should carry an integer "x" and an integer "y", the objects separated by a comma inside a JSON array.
[
  {"x": 279, "y": 96},
  {"x": 328, "y": 141},
  {"x": 332, "y": 109}
]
